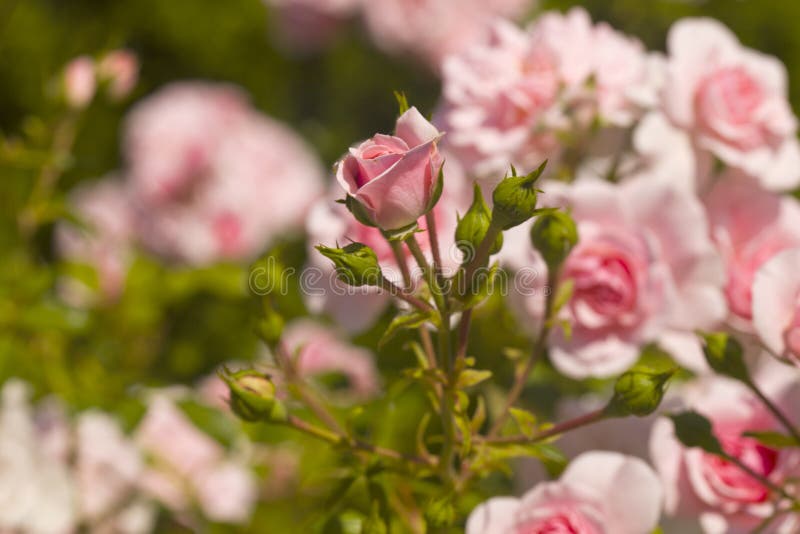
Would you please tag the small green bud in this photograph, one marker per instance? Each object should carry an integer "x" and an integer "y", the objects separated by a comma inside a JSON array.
[
  {"x": 252, "y": 396},
  {"x": 638, "y": 392},
  {"x": 356, "y": 264},
  {"x": 515, "y": 199},
  {"x": 270, "y": 327},
  {"x": 554, "y": 234},
  {"x": 694, "y": 430},
  {"x": 472, "y": 228},
  {"x": 725, "y": 355}
]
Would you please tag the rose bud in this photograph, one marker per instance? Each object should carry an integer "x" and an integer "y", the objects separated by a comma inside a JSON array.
[
  {"x": 80, "y": 82},
  {"x": 120, "y": 70},
  {"x": 554, "y": 234},
  {"x": 472, "y": 228},
  {"x": 638, "y": 392},
  {"x": 395, "y": 178},
  {"x": 515, "y": 198},
  {"x": 725, "y": 355},
  {"x": 252, "y": 396},
  {"x": 356, "y": 264}
]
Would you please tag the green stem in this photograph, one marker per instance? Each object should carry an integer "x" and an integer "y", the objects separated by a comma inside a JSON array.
[
  {"x": 757, "y": 476},
  {"x": 481, "y": 256},
  {"x": 561, "y": 428},
  {"x": 772, "y": 407},
  {"x": 392, "y": 289},
  {"x": 433, "y": 236}
]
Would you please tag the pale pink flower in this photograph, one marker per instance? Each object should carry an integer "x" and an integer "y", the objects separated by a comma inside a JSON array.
[
  {"x": 434, "y": 29},
  {"x": 776, "y": 304},
  {"x": 80, "y": 82},
  {"x": 186, "y": 462},
  {"x": 733, "y": 100},
  {"x": 749, "y": 226},
  {"x": 666, "y": 153},
  {"x": 698, "y": 483},
  {"x": 644, "y": 270},
  {"x": 320, "y": 351},
  {"x": 105, "y": 240},
  {"x": 120, "y": 69},
  {"x": 497, "y": 96},
  {"x": 308, "y": 25},
  {"x": 214, "y": 179},
  {"x": 394, "y": 177},
  {"x": 599, "y": 493},
  {"x": 107, "y": 466}
]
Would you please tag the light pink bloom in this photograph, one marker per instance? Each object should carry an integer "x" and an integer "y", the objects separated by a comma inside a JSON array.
[
  {"x": 749, "y": 226},
  {"x": 80, "y": 82},
  {"x": 107, "y": 466},
  {"x": 643, "y": 270},
  {"x": 599, "y": 493},
  {"x": 185, "y": 462},
  {"x": 497, "y": 96},
  {"x": 320, "y": 351},
  {"x": 733, "y": 101},
  {"x": 215, "y": 179},
  {"x": 308, "y": 25},
  {"x": 666, "y": 153},
  {"x": 394, "y": 177},
  {"x": 120, "y": 69},
  {"x": 697, "y": 483},
  {"x": 105, "y": 243},
  {"x": 434, "y": 29},
  {"x": 776, "y": 304}
]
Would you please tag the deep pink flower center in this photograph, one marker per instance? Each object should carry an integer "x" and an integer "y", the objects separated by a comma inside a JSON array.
[
  {"x": 563, "y": 521},
  {"x": 729, "y": 480},
  {"x": 604, "y": 281}
]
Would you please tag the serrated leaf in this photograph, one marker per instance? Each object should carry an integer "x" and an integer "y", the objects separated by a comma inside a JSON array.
[
  {"x": 472, "y": 377},
  {"x": 414, "y": 319},
  {"x": 773, "y": 439},
  {"x": 525, "y": 420}
]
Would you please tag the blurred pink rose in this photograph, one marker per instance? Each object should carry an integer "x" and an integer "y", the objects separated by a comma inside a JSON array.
[
  {"x": 698, "y": 483},
  {"x": 319, "y": 351},
  {"x": 213, "y": 178},
  {"x": 120, "y": 69},
  {"x": 394, "y": 177},
  {"x": 80, "y": 82},
  {"x": 733, "y": 100},
  {"x": 308, "y": 25},
  {"x": 106, "y": 242},
  {"x": 600, "y": 492},
  {"x": 644, "y": 270},
  {"x": 185, "y": 462},
  {"x": 749, "y": 226},
  {"x": 496, "y": 98},
  {"x": 434, "y": 29},
  {"x": 776, "y": 304}
]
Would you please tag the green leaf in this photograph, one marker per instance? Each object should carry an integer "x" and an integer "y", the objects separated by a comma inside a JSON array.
[
  {"x": 479, "y": 417},
  {"x": 422, "y": 449},
  {"x": 398, "y": 235},
  {"x": 563, "y": 294},
  {"x": 775, "y": 440},
  {"x": 525, "y": 420},
  {"x": 412, "y": 320},
  {"x": 437, "y": 189},
  {"x": 402, "y": 101},
  {"x": 695, "y": 430},
  {"x": 472, "y": 377}
]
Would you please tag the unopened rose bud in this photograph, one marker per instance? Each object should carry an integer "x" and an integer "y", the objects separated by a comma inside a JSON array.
[
  {"x": 725, "y": 355},
  {"x": 472, "y": 228},
  {"x": 252, "y": 396},
  {"x": 515, "y": 199},
  {"x": 694, "y": 430},
  {"x": 80, "y": 82},
  {"x": 554, "y": 234},
  {"x": 270, "y": 327},
  {"x": 356, "y": 264},
  {"x": 120, "y": 70},
  {"x": 638, "y": 392}
]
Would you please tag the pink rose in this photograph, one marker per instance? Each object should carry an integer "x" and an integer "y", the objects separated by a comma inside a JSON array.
[
  {"x": 749, "y": 226},
  {"x": 394, "y": 177},
  {"x": 733, "y": 100},
  {"x": 434, "y": 29},
  {"x": 320, "y": 351},
  {"x": 80, "y": 82},
  {"x": 214, "y": 179},
  {"x": 497, "y": 98},
  {"x": 599, "y": 493},
  {"x": 643, "y": 270},
  {"x": 105, "y": 243},
  {"x": 309, "y": 25},
  {"x": 776, "y": 304},
  {"x": 695, "y": 482},
  {"x": 120, "y": 69}
]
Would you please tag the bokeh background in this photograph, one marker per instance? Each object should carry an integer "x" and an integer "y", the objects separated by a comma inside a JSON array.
[{"x": 174, "y": 325}]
